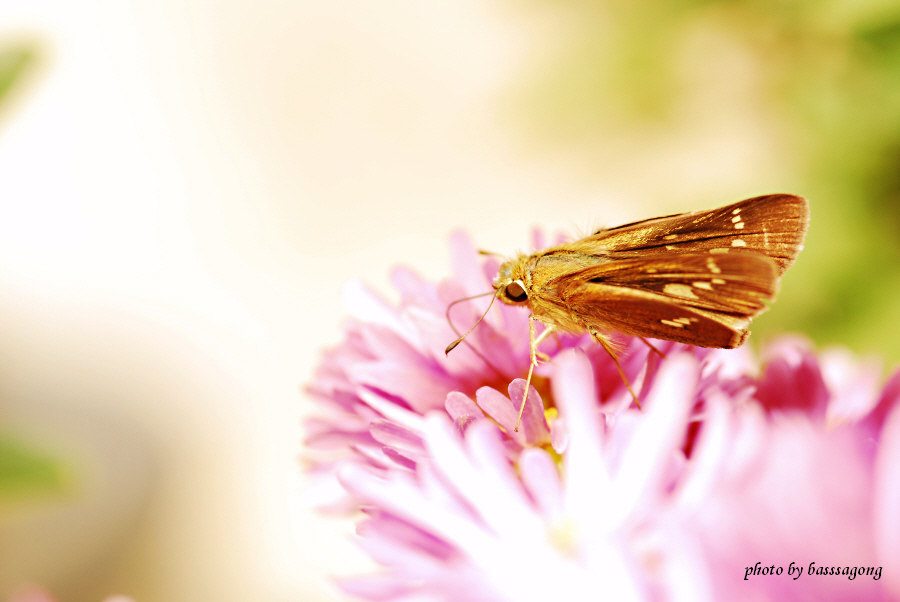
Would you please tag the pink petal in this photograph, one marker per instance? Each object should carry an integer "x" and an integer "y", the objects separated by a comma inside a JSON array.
[
  {"x": 401, "y": 534},
  {"x": 559, "y": 435},
  {"x": 793, "y": 383},
  {"x": 541, "y": 477},
  {"x": 853, "y": 385},
  {"x": 383, "y": 586},
  {"x": 400, "y": 458},
  {"x": 391, "y": 411},
  {"x": 399, "y": 494},
  {"x": 422, "y": 388},
  {"x": 369, "y": 308},
  {"x": 466, "y": 265},
  {"x": 889, "y": 399},
  {"x": 398, "y": 438},
  {"x": 713, "y": 444},
  {"x": 500, "y": 408},
  {"x": 413, "y": 289},
  {"x": 790, "y": 348},
  {"x": 385, "y": 344},
  {"x": 887, "y": 502},
  {"x": 372, "y": 454},
  {"x": 481, "y": 473},
  {"x": 534, "y": 423},
  {"x": 458, "y": 405},
  {"x": 437, "y": 334},
  {"x": 658, "y": 435},
  {"x": 729, "y": 363},
  {"x": 335, "y": 439},
  {"x": 587, "y": 481},
  {"x": 464, "y": 422}
]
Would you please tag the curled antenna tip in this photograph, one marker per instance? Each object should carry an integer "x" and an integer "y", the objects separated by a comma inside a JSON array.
[{"x": 453, "y": 345}]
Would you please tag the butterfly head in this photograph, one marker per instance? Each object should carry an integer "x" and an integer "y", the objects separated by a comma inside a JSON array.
[
  {"x": 512, "y": 286},
  {"x": 511, "y": 283}
]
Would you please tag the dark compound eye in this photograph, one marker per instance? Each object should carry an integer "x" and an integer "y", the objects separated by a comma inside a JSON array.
[{"x": 516, "y": 292}]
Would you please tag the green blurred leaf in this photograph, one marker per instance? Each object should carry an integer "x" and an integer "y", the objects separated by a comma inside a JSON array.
[
  {"x": 26, "y": 471},
  {"x": 15, "y": 61}
]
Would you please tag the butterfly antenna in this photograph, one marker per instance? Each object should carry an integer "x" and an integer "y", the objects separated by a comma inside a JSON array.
[{"x": 453, "y": 345}]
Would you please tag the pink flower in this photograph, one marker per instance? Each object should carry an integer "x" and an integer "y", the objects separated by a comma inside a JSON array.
[{"x": 724, "y": 474}]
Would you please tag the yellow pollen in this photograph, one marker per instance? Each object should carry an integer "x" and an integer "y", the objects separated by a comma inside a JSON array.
[
  {"x": 670, "y": 237},
  {"x": 563, "y": 535}
]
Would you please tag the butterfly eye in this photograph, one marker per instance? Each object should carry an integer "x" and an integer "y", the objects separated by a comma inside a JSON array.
[{"x": 516, "y": 292}]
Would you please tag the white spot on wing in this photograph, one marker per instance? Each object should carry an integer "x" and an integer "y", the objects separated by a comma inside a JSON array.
[
  {"x": 670, "y": 237},
  {"x": 736, "y": 211},
  {"x": 739, "y": 226},
  {"x": 704, "y": 285},
  {"x": 737, "y": 242},
  {"x": 736, "y": 219},
  {"x": 718, "y": 281},
  {"x": 712, "y": 267},
  {"x": 679, "y": 290},
  {"x": 671, "y": 323}
]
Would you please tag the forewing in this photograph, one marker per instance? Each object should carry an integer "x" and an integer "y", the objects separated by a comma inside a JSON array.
[
  {"x": 638, "y": 313},
  {"x": 774, "y": 225},
  {"x": 701, "y": 298}
]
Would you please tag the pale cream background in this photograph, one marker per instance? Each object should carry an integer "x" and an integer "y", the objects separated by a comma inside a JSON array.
[{"x": 186, "y": 186}]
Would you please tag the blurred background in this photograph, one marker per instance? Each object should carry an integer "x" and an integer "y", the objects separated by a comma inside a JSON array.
[{"x": 186, "y": 185}]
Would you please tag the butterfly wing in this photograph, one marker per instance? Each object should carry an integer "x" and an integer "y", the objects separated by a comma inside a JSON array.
[
  {"x": 774, "y": 225},
  {"x": 700, "y": 299}
]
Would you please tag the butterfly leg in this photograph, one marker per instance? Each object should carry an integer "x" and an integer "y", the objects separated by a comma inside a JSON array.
[
  {"x": 533, "y": 356},
  {"x": 537, "y": 353},
  {"x": 653, "y": 347},
  {"x": 612, "y": 354}
]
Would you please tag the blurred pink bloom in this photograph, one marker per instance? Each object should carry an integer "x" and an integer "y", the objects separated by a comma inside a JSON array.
[{"x": 726, "y": 472}]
